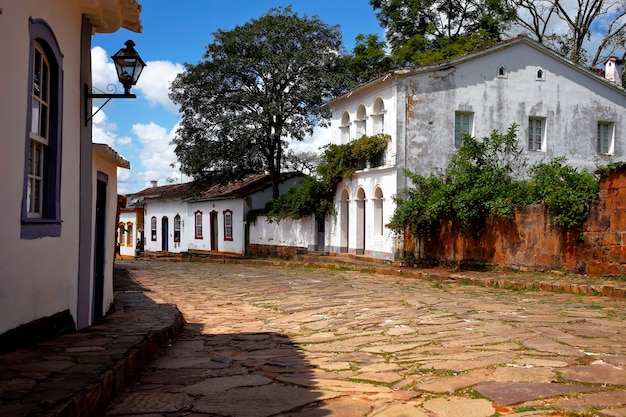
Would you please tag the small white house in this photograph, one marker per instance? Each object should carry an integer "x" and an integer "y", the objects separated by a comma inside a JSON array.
[
  {"x": 131, "y": 229},
  {"x": 58, "y": 193},
  {"x": 184, "y": 218},
  {"x": 561, "y": 109}
]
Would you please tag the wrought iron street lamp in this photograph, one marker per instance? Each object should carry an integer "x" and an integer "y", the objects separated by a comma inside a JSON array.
[{"x": 128, "y": 65}]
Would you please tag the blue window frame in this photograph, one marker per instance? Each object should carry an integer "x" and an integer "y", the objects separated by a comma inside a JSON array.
[{"x": 41, "y": 199}]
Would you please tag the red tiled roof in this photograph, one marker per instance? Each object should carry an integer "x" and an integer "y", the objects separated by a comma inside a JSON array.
[
  {"x": 238, "y": 189},
  {"x": 191, "y": 190}
]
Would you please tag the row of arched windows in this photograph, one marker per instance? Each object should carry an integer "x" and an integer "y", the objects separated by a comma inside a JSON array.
[
  {"x": 363, "y": 123},
  {"x": 377, "y": 216}
]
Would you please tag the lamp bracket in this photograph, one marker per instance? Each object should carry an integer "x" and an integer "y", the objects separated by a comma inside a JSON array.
[{"x": 94, "y": 93}]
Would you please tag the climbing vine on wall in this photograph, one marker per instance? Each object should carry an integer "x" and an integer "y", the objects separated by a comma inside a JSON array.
[{"x": 314, "y": 194}]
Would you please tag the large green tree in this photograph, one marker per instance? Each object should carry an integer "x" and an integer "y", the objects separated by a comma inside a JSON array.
[
  {"x": 422, "y": 31},
  {"x": 259, "y": 86},
  {"x": 369, "y": 58}
]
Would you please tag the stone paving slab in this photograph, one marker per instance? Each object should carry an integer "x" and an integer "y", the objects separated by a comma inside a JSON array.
[
  {"x": 593, "y": 400},
  {"x": 601, "y": 373},
  {"x": 509, "y": 393},
  {"x": 459, "y": 407},
  {"x": 613, "y": 412}
]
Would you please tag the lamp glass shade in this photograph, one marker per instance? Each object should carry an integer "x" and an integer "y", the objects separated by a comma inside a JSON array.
[{"x": 128, "y": 65}]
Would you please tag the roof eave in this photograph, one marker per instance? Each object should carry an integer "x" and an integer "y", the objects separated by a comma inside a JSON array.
[
  {"x": 108, "y": 154},
  {"x": 108, "y": 16}
]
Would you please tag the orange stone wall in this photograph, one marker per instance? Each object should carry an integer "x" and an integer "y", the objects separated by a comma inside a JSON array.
[{"x": 530, "y": 242}]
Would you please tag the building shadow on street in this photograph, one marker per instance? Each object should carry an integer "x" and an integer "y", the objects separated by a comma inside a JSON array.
[{"x": 248, "y": 374}]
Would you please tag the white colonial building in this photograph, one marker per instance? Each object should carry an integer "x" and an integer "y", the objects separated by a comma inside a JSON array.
[
  {"x": 59, "y": 191},
  {"x": 560, "y": 108},
  {"x": 182, "y": 218}
]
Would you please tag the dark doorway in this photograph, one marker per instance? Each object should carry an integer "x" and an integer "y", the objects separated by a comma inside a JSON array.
[
  {"x": 164, "y": 233},
  {"x": 321, "y": 232},
  {"x": 100, "y": 247},
  {"x": 213, "y": 225}
]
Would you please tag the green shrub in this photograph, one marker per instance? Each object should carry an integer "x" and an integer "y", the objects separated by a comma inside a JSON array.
[
  {"x": 315, "y": 194},
  {"x": 565, "y": 190},
  {"x": 477, "y": 182},
  {"x": 483, "y": 179}
]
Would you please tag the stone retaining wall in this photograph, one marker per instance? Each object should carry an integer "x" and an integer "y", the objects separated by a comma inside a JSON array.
[
  {"x": 530, "y": 242},
  {"x": 276, "y": 251}
]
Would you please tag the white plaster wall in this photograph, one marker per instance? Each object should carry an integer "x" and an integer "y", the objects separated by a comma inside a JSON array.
[
  {"x": 367, "y": 97},
  {"x": 169, "y": 209},
  {"x": 420, "y": 118},
  {"x": 288, "y": 232},
  {"x": 110, "y": 170},
  {"x": 230, "y": 246},
  {"x": 39, "y": 276},
  {"x": 382, "y": 246},
  {"x": 259, "y": 199},
  {"x": 571, "y": 102}
]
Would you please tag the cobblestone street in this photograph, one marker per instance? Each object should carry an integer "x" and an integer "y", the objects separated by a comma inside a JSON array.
[{"x": 294, "y": 341}]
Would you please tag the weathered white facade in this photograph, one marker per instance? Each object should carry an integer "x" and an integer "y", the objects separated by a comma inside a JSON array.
[
  {"x": 49, "y": 208},
  {"x": 560, "y": 108}
]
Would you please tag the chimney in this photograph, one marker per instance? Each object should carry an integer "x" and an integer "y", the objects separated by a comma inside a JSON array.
[
  {"x": 613, "y": 70},
  {"x": 154, "y": 183}
]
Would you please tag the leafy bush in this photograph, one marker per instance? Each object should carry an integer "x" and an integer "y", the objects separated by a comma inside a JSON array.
[
  {"x": 482, "y": 179},
  {"x": 565, "y": 190},
  {"x": 315, "y": 194},
  {"x": 478, "y": 181},
  {"x": 370, "y": 147}
]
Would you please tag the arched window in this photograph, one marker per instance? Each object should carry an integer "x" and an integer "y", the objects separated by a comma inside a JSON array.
[
  {"x": 198, "y": 224},
  {"x": 153, "y": 231},
  {"x": 177, "y": 228},
  {"x": 378, "y": 212},
  {"x": 129, "y": 234},
  {"x": 361, "y": 121},
  {"x": 120, "y": 234},
  {"x": 540, "y": 75},
  {"x": 378, "y": 117},
  {"x": 41, "y": 201},
  {"x": 228, "y": 225},
  {"x": 502, "y": 72},
  {"x": 345, "y": 128}
]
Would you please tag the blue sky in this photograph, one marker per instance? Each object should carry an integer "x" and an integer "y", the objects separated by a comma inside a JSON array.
[{"x": 175, "y": 32}]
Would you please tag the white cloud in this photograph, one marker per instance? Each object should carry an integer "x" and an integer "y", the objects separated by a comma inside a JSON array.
[
  {"x": 102, "y": 131},
  {"x": 156, "y": 156},
  {"x": 321, "y": 136},
  {"x": 102, "y": 69},
  {"x": 123, "y": 174},
  {"x": 155, "y": 82}
]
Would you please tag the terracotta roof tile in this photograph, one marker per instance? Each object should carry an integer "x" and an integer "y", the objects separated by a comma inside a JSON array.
[{"x": 191, "y": 191}]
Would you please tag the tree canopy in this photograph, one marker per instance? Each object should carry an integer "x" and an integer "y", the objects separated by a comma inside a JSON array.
[
  {"x": 258, "y": 86},
  {"x": 369, "y": 58},
  {"x": 422, "y": 31}
]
